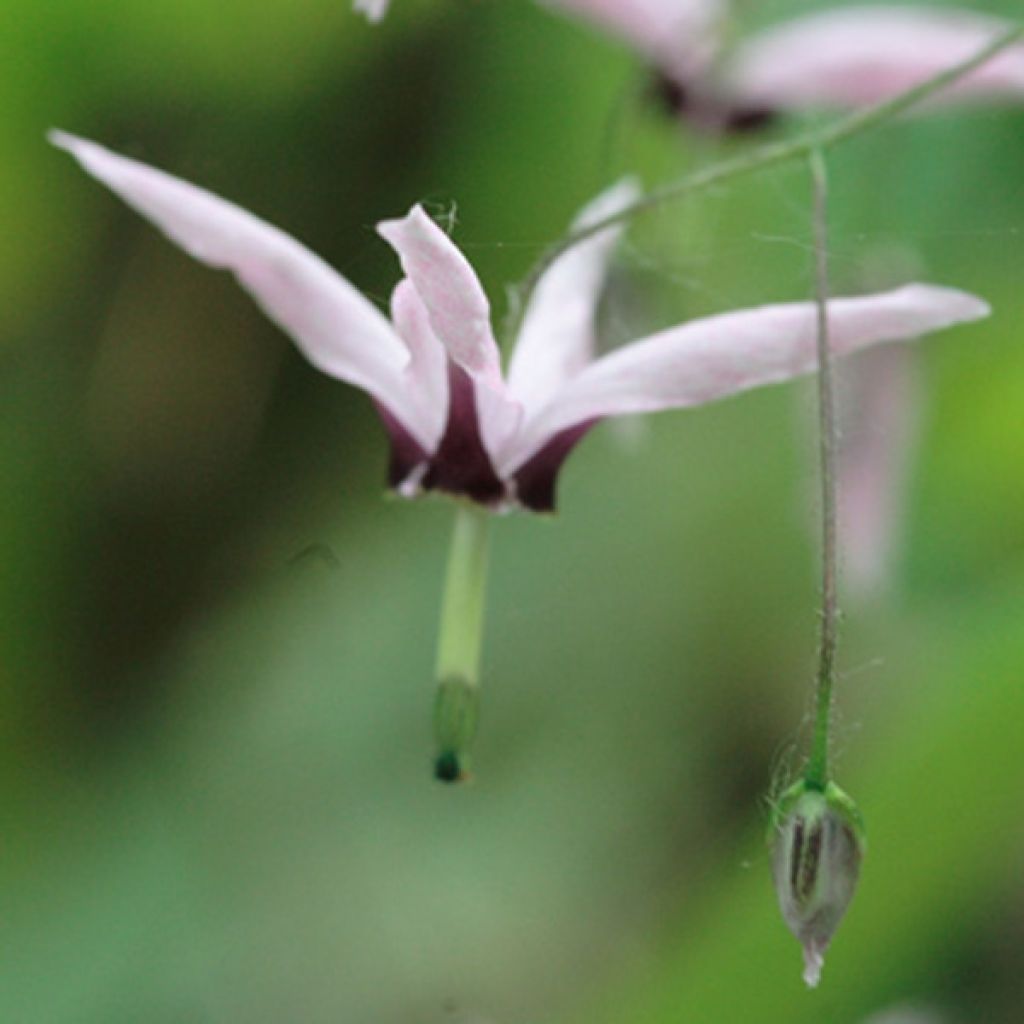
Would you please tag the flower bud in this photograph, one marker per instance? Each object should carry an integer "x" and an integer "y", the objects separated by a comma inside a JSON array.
[
  {"x": 456, "y": 712},
  {"x": 818, "y": 846}
]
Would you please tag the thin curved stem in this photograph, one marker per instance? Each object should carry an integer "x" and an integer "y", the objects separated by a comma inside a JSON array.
[
  {"x": 817, "y": 773},
  {"x": 770, "y": 155}
]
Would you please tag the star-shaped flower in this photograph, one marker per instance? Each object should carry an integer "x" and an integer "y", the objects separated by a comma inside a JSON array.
[{"x": 457, "y": 422}]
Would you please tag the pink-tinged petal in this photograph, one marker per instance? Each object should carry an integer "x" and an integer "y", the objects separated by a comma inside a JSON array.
[
  {"x": 373, "y": 9},
  {"x": 878, "y": 440},
  {"x": 710, "y": 359},
  {"x": 458, "y": 308},
  {"x": 681, "y": 37},
  {"x": 557, "y": 337},
  {"x": 337, "y": 329},
  {"x": 861, "y": 55},
  {"x": 427, "y": 372},
  {"x": 460, "y": 317}
]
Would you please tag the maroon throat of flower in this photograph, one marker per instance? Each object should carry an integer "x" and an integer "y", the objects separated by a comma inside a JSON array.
[{"x": 461, "y": 465}]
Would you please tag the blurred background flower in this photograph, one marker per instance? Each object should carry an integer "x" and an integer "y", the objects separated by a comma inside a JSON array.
[{"x": 216, "y": 798}]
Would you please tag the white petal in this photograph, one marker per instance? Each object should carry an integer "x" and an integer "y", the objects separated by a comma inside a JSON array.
[
  {"x": 373, "y": 9},
  {"x": 861, "y": 55},
  {"x": 557, "y": 336},
  {"x": 460, "y": 316},
  {"x": 427, "y": 372},
  {"x": 680, "y": 36},
  {"x": 709, "y": 359},
  {"x": 337, "y": 329},
  {"x": 459, "y": 311}
]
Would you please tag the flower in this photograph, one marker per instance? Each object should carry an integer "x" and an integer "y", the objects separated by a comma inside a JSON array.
[
  {"x": 818, "y": 847},
  {"x": 373, "y": 9},
  {"x": 456, "y": 421},
  {"x": 843, "y": 58}
]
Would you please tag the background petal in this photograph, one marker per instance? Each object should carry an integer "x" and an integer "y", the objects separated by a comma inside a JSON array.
[
  {"x": 557, "y": 336},
  {"x": 709, "y": 359},
  {"x": 338, "y": 330},
  {"x": 679, "y": 36},
  {"x": 864, "y": 55},
  {"x": 373, "y": 9}
]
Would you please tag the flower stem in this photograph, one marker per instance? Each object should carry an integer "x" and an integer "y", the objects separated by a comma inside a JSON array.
[
  {"x": 817, "y": 772},
  {"x": 459, "y": 642},
  {"x": 769, "y": 155}
]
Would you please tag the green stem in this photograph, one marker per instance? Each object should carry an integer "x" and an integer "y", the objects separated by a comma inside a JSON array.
[
  {"x": 460, "y": 640},
  {"x": 770, "y": 155},
  {"x": 817, "y": 773}
]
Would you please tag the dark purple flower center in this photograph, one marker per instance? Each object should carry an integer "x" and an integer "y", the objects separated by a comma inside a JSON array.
[{"x": 461, "y": 464}]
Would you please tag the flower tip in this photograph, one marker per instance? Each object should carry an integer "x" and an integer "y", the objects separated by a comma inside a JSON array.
[
  {"x": 456, "y": 711},
  {"x": 814, "y": 961},
  {"x": 62, "y": 140},
  {"x": 628, "y": 189},
  {"x": 395, "y": 229},
  {"x": 449, "y": 767},
  {"x": 967, "y": 306},
  {"x": 956, "y": 305},
  {"x": 90, "y": 155},
  {"x": 979, "y": 309},
  {"x": 374, "y": 10}
]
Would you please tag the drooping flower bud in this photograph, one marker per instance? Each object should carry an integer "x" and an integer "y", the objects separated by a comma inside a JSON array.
[{"x": 818, "y": 846}]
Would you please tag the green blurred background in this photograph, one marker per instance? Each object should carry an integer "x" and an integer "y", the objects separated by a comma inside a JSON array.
[{"x": 217, "y": 803}]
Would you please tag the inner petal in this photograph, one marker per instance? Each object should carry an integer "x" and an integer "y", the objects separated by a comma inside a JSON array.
[{"x": 461, "y": 464}]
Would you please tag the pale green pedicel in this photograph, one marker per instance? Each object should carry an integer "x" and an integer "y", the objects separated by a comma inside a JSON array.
[{"x": 460, "y": 639}]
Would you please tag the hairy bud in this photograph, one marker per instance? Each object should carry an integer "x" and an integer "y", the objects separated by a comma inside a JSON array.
[{"x": 818, "y": 847}]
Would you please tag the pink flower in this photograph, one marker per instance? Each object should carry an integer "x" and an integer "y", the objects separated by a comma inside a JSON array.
[{"x": 457, "y": 422}]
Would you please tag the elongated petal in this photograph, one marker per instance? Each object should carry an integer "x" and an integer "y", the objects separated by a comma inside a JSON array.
[
  {"x": 460, "y": 316},
  {"x": 337, "y": 329},
  {"x": 679, "y": 36},
  {"x": 862, "y": 55},
  {"x": 709, "y": 359},
  {"x": 557, "y": 337},
  {"x": 427, "y": 372},
  {"x": 373, "y": 9},
  {"x": 878, "y": 440},
  {"x": 458, "y": 308}
]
